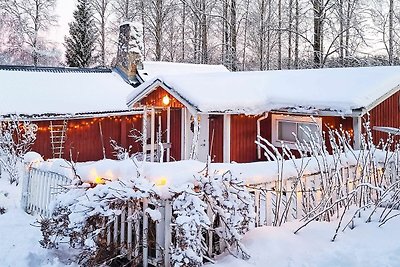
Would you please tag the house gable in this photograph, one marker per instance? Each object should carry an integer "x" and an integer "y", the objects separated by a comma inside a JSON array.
[{"x": 155, "y": 99}]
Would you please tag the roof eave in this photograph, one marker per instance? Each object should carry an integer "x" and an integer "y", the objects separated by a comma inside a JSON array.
[
  {"x": 382, "y": 98},
  {"x": 159, "y": 83}
]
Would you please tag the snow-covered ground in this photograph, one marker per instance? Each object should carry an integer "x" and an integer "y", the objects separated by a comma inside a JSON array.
[
  {"x": 20, "y": 235},
  {"x": 367, "y": 245}
]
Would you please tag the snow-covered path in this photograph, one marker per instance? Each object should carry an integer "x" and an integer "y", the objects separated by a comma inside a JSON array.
[
  {"x": 19, "y": 241},
  {"x": 19, "y": 238}
]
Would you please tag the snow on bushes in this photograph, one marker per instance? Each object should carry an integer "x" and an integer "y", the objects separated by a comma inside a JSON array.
[
  {"x": 16, "y": 139},
  {"x": 230, "y": 202},
  {"x": 189, "y": 218},
  {"x": 81, "y": 215}
]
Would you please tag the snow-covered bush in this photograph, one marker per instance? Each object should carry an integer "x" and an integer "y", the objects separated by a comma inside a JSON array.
[
  {"x": 120, "y": 152},
  {"x": 81, "y": 216},
  {"x": 190, "y": 219},
  {"x": 16, "y": 139},
  {"x": 229, "y": 200}
]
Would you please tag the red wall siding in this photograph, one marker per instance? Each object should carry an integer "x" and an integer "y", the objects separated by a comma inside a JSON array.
[
  {"x": 175, "y": 134},
  {"x": 176, "y": 117},
  {"x": 243, "y": 137},
  {"x": 386, "y": 113},
  {"x": 216, "y": 137},
  {"x": 83, "y": 140},
  {"x": 336, "y": 123}
]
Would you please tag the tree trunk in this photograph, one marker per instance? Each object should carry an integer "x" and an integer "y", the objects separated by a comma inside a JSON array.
[
  {"x": 268, "y": 47},
  {"x": 246, "y": 25},
  {"x": 289, "y": 60},
  {"x": 183, "y": 31},
  {"x": 341, "y": 33},
  {"x": 296, "y": 38},
  {"x": 262, "y": 35},
  {"x": 317, "y": 6},
  {"x": 158, "y": 29},
  {"x": 142, "y": 16},
  {"x": 233, "y": 35},
  {"x": 279, "y": 34},
  {"x": 390, "y": 48},
  {"x": 225, "y": 36},
  {"x": 203, "y": 27}
]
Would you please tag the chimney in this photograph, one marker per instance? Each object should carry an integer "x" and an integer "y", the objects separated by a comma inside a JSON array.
[{"x": 130, "y": 45}]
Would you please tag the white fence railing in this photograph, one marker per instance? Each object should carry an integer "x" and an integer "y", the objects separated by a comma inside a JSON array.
[
  {"x": 136, "y": 236},
  {"x": 277, "y": 202},
  {"x": 40, "y": 188}
]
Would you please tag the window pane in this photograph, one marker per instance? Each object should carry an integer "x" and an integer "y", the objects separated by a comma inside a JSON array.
[
  {"x": 286, "y": 130},
  {"x": 304, "y": 130}
]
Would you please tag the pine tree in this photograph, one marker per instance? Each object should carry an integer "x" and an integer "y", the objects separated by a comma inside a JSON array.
[{"x": 81, "y": 42}]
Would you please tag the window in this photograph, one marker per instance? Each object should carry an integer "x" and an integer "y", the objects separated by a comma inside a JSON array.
[{"x": 285, "y": 129}]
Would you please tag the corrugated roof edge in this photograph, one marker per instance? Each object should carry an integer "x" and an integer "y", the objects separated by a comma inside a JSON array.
[
  {"x": 81, "y": 115},
  {"x": 54, "y": 69}
]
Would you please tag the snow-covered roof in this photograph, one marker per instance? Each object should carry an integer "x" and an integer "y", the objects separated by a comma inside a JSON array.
[
  {"x": 340, "y": 90},
  {"x": 36, "y": 91},
  {"x": 152, "y": 69}
]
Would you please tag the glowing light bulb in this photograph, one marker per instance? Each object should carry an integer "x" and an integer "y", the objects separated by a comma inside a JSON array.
[{"x": 166, "y": 100}]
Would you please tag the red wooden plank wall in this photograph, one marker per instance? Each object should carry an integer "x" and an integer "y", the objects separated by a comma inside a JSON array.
[
  {"x": 176, "y": 117},
  {"x": 243, "y": 137},
  {"x": 386, "y": 113},
  {"x": 84, "y": 142},
  {"x": 175, "y": 131},
  {"x": 216, "y": 137},
  {"x": 345, "y": 123}
]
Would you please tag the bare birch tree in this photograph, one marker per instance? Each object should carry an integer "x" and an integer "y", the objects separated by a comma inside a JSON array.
[
  {"x": 101, "y": 13},
  {"x": 32, "y": 19}
]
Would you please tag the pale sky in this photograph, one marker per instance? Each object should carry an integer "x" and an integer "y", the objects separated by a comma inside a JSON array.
[{"x": 64, "y": 11}]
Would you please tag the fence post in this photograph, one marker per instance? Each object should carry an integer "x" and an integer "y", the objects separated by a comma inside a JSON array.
[
  {"x": 129, "y": 231},
  {"x": 160, "y": 233},
  {"x": 145, "y": 234},
  {"x": 257, "y": 207},
  {"x": 25, "y": 187},
  {"x": 167, "y": 240}
]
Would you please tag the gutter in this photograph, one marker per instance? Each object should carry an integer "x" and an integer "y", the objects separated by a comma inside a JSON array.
[{"x": 265, "y": 116}]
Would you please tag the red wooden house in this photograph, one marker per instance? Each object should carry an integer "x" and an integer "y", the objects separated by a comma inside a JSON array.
[
  {"x": 77, "y": 111},
  {"x": 221, "y": 114}
]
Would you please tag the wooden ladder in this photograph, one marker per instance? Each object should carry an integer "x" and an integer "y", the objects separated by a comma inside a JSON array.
[{"x": 58, "y": 134}]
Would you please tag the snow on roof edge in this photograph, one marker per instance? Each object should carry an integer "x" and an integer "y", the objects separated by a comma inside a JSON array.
[{"x": 371, "y": 84}]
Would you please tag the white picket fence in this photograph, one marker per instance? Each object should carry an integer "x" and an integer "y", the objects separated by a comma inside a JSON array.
[
  {"x": 135, "y": 235},
  {"x": 290, "y": 199},
  {"x": 40, "y": 188}
]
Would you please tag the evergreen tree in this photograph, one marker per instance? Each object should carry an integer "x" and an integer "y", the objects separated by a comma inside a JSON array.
[{"x": 81, "y": 42}]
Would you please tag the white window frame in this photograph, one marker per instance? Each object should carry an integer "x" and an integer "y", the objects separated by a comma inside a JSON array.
[{"x": 276, "y": 118}]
